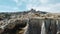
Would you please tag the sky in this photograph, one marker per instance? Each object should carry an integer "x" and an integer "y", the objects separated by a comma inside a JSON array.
[{"x": 24, "y": 5}]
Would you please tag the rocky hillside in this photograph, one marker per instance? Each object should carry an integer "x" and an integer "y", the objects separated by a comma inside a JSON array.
[{"x": 17, "y": 22}]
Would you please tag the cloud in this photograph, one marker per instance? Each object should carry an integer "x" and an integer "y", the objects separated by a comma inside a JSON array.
[
  {"x": 19, "y": 2},
  {"x": 44, "y": 1},
  {"x": 53, "y": 8},
  {"x": 42, "y": 5},
  {"x": 16, "y": 1}
]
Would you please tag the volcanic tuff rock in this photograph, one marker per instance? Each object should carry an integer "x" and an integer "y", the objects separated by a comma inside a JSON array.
[{"x": 29, "y": 22}]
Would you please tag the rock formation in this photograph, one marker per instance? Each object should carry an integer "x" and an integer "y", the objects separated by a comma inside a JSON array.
[{"x": 29, "y": 22}]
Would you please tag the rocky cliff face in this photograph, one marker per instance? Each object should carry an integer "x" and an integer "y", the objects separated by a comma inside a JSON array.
[{"x": 29, "y": 22}]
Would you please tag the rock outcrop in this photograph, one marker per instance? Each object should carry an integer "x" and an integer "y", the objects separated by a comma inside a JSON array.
[{"x": 29, "y": 22}]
